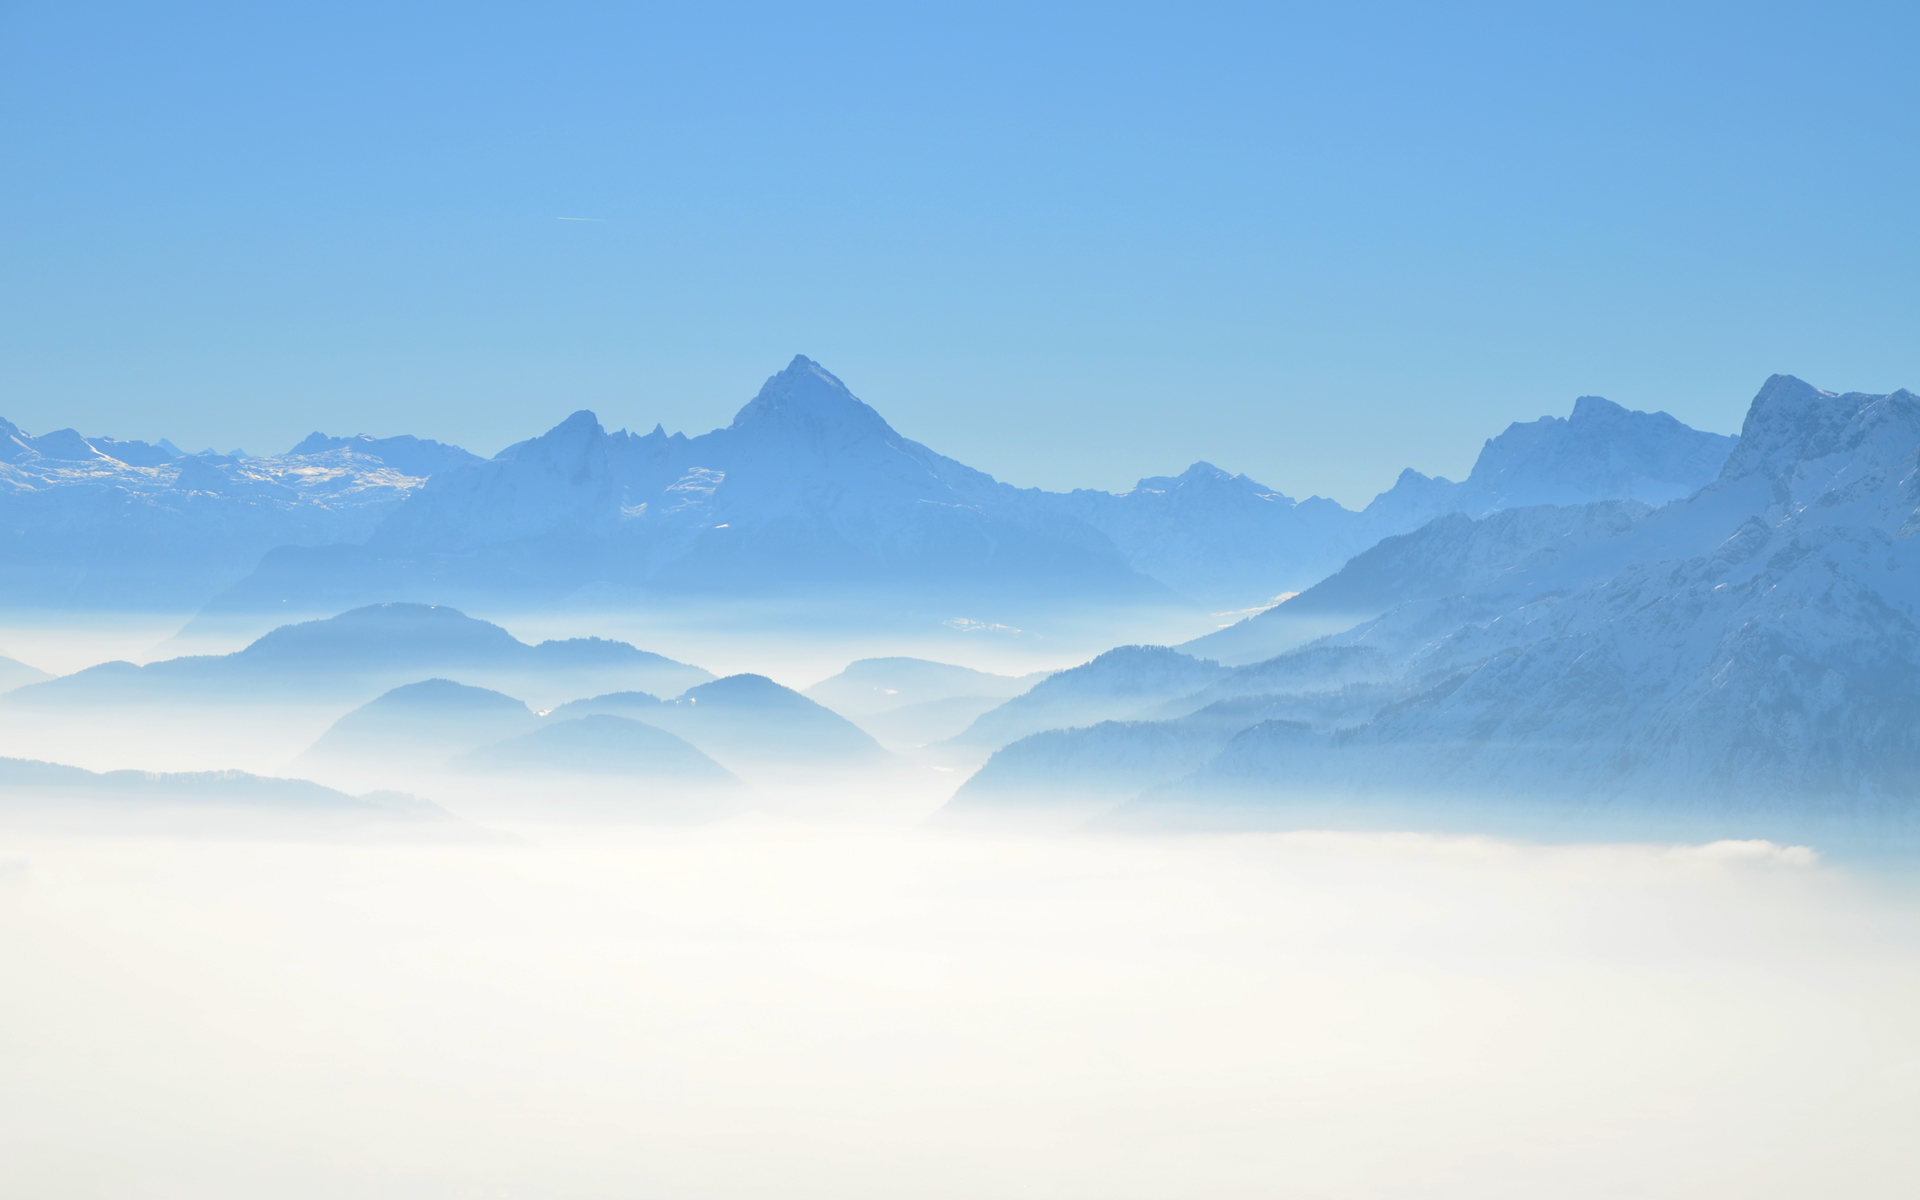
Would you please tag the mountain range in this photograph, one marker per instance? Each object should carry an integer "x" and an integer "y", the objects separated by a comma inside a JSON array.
[
  {"x": 1745, "y": 659},
  {"x": 100, "y": 523},
  {"x": 362, "y": 653},
  {"x": 808, "y": 493}
]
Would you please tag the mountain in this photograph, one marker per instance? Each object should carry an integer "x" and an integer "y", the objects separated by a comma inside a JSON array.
[
  {"x": 1066, "y": 775},
  {"x": 912, "y": 701},
  {"x": 1601, "y": 452},
  {"x": 601, "y": 744},
  {"x": 1114, "y": 686},
  {"x": 1608, "y": 461},
  {"x": 365, "y": 652},
  {"x": 809, "y": 492},
  {"x": 1059, "y": 778},
  {"x": 222, "y": 803},
  {"x": 1744, "y": 662},
  {"x": 1220, "y": 539},
  {"x": 809, "y": 495},
  {"x": 406, "y": 454},
  {"x": 638, "y": 705},
  {"x": 1451, "y": 555},
  {"x": 14, "y": 673},
  {"x": 416, "y": 727},
  {"x": 89, "y": 523},
  {"x": 750, "y": 723}
]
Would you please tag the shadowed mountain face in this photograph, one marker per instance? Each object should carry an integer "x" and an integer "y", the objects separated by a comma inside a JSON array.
[{"x": 366, "y": 652}]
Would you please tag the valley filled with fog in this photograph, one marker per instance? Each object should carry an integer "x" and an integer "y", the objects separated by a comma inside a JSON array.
[
  {"x": 771, "y": 1008},
  {"x": 793, "y": 809}
]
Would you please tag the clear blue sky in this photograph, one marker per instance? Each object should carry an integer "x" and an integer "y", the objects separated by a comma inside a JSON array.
[{"x": 1068, "y": 245}]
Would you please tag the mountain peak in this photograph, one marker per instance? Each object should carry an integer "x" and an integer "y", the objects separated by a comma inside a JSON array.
[
  {"x": 1791, "y": 421},
  {"x": 580, "y": 423},
  {"x": 1595, "y": 408},
  {"x": 806, "y": 397}
]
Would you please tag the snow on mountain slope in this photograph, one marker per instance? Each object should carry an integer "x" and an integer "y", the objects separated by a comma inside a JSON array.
[
  {"x": 409, "y": 455},
  {"x": 1221, "y": 539},
  {"x": 808, "y": 491},
  {"x": 1601, "y": 453},
  {"x": 97, "y": 522},
  {"x": 1754, "y": 655},
  {"x": 1451, "y": 555}
]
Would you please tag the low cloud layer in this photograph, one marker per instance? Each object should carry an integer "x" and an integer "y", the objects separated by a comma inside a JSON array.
[{"x": 761, "y": 1010}]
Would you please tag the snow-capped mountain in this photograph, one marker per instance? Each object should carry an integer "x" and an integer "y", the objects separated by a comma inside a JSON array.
[
  {"x": 1450, "y": 555},
  {"x": 1744, "y": 662},
  {"x": 409, "y": 455},
  {"x": 1580, "y": 477},
  {"x": 99, "y": 522},
  {"x": 1749, "y": 657},
  {"x": 810, "y": 492}
]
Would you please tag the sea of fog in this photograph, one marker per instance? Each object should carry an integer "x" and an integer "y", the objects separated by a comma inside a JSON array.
[{"x": 768, "y": 1009}]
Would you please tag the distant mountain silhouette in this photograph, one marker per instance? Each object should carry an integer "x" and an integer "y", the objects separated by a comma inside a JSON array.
[
  {"x": 809, "y": 494},
  {"x": 912, "y": 701},
  {"x": 747, "y": 722},
  {"x": 418, "y": 726},
  {"x": 601, "y": 744},
  {"x": 217, "y": 802},
  {"x": 368, "y": 651},
  {"x": 14, "y": 673},
  {"x": 1116, "y": 685}
]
